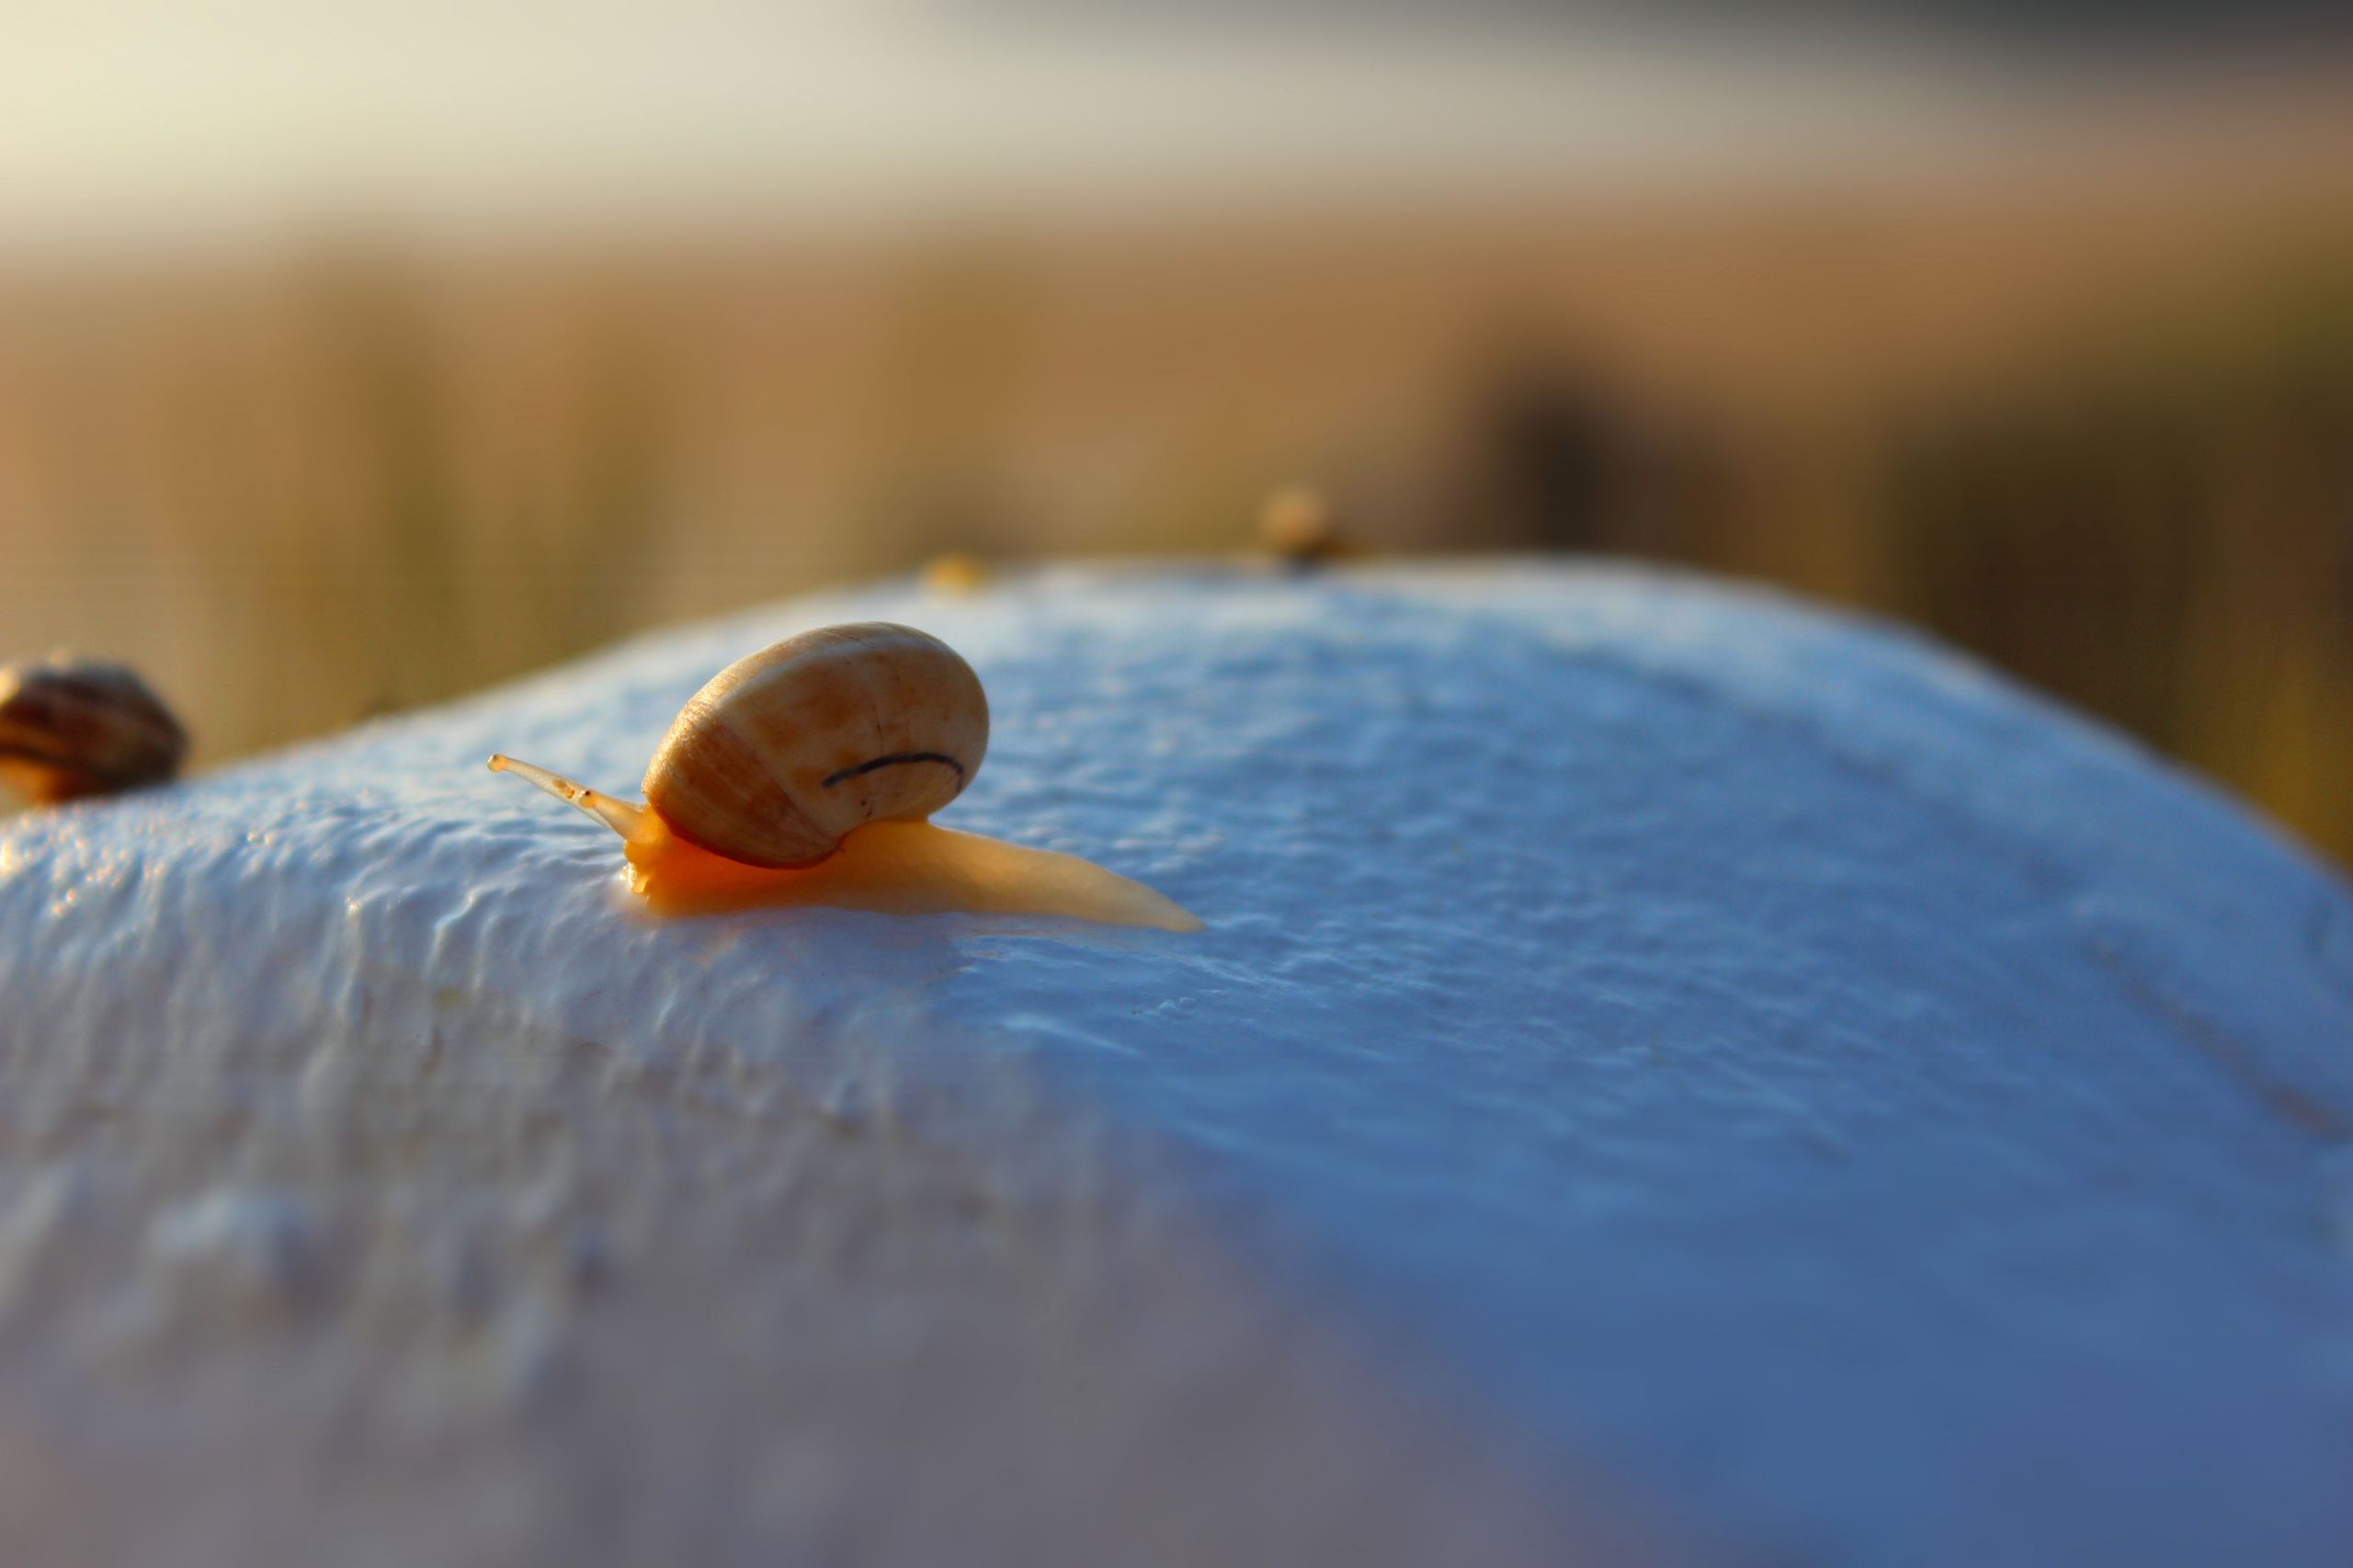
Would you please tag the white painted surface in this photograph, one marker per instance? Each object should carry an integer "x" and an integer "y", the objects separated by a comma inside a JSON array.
[{"x": 1650, "y": 1043}]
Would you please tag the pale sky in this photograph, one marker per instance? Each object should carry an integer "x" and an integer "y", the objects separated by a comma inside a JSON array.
[{"x": 123, "y": 119}]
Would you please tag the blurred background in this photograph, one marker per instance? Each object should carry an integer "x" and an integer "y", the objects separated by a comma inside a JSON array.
[{"x": 352, "y": 356}]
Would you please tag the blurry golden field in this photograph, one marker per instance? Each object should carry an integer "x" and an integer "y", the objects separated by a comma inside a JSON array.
[{"x": 2104, "y": 439}]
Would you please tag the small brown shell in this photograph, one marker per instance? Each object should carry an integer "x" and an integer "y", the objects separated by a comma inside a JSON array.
[
  {"x": 785, "y": 751},
  {"x": 73, "y": 727}
]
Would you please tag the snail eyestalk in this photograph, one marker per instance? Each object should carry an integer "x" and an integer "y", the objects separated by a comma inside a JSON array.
[{"x": 618, "y": 815}]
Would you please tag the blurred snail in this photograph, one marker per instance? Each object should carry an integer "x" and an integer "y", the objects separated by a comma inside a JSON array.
[
  {"x": 957, "y": 572},
  {"x": 807, "y": 773},
  {"x": 75, "y": 727},
  {"x": 1299, "y": 525}
]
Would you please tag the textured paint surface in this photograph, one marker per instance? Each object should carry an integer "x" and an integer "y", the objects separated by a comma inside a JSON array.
[{"x": 1751, "y": 1057}]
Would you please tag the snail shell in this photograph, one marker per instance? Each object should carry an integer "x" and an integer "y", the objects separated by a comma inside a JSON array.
[
  {"x": 74, "y": 727},
  {"x": 785, "y": 752}
]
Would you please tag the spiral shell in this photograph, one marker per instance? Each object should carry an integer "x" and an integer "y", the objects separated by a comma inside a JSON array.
[
  {"x": 73, "y": 727},
  {"x": 785, "y": 751}
]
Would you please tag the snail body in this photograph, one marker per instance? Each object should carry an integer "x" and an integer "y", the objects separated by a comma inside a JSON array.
[
  {"x": 76, "y": 727},
  {"x": 807, "y": 772}
]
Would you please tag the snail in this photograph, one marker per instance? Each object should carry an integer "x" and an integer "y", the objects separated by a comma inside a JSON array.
[
  {"x": 74, "y": 727},
  {"x": 1301, "y": 527},
  {"x": 958, "y": 572},
  {"x": 807, "y": 773}
]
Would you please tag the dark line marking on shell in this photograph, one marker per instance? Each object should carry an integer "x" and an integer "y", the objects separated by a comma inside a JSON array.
[
  {"x": 115, "y": 777},
  {"x": 891, "y": 761}
]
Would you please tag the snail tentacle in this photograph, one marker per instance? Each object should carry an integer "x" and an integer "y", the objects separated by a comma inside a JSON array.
[{"x": 618, "y": 815}]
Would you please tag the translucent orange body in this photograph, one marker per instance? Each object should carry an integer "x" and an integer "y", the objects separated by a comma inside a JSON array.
[{"x": 898, "y": 867}]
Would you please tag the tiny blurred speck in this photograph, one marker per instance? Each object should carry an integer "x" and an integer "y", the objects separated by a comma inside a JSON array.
[
  {"x": 1299, "y": 525},
  {"x": 957, "y": 572}
]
